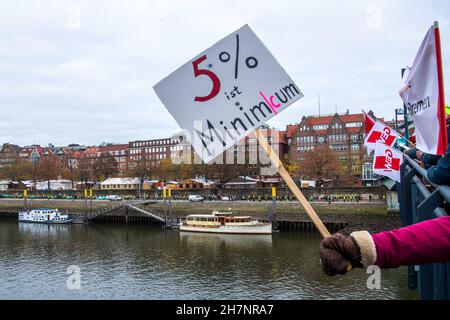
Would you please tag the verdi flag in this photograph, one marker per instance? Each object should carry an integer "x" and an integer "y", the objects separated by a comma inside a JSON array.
[
  {"x": 387, "y": 161},
  {"x": 380, "y": 133},
  {"x": 369, "y": 122},
  {"x": 423, "y": 95}
]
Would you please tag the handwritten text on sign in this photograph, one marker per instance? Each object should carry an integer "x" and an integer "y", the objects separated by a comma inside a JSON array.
[{"x": 226, "y": 92}]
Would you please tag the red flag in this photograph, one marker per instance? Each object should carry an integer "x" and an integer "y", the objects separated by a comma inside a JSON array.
[
  {"x": 380, "y": 133},
  {"x": 387, "y": 161},
  {"x": 369, "y": 122}
]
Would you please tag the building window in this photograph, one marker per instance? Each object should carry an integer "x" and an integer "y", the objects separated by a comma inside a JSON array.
[
  {"x": 320, "y": 127},
  {"x": 353, "y": 124},
  {"x": 367, "y": 172},
  {"x": 337, "y": 126}
]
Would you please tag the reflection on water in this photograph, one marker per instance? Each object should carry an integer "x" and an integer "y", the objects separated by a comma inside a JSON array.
[
  {"x": 232, "y": 241},
  {"x": 43, "y": 230},
  {"x": 120, "y": 262}
]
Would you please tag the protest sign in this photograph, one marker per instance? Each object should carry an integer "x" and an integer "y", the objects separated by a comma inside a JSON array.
[{"x": 227, "y": 91}]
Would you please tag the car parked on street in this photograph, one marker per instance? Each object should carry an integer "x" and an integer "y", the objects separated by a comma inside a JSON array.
[
  {"x": 196, "y": 198},
  {"x": 114, "y": 198}
]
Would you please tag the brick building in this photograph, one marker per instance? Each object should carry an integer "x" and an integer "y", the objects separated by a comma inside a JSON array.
[
  {"x": 155, "y": 150},
  {"x": 276, "y": 139},
  {"x": 117, "y": 151},
  {"x": 31, "y": 153},
  {"x": 344, "y": 133},
  {"x": 9, "y": 154}
]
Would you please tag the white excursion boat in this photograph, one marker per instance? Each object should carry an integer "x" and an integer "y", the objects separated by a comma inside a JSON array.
[
  {"x": 224, "y": 222},
  {"x": 49, "y": 216}
]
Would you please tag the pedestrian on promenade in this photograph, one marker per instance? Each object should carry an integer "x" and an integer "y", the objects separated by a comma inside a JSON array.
[{"x": 420, "y": 243}]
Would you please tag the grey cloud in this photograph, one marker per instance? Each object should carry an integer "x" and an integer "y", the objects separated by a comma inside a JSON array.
[{"x": 94, "y": 84}]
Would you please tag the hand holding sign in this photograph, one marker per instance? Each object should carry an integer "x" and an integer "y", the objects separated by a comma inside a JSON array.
[{"x": 218, "y": 104}]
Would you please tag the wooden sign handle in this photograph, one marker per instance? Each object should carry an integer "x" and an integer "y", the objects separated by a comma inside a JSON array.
[
  {"x": 291, "y": 184},
  {"x": 293, "y": 187}
]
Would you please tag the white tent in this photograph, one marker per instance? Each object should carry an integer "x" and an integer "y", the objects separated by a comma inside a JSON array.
[
  {"x": 120, "y": 183},
  {"x": 61, "y": 184}
]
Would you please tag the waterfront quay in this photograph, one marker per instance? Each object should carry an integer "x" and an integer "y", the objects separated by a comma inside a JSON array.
[{"x": 288, "y": 215}]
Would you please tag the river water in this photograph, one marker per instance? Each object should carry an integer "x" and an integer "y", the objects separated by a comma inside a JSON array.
[{"x": 132, "y": 262}]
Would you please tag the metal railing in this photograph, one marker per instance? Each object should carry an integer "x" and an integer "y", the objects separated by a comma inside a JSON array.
[{"x": 422, "y": 200}]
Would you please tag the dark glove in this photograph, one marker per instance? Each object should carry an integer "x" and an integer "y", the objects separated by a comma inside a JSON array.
[
  {"x": 411, "y": 153},
  {"x": 336, "y": 252}
]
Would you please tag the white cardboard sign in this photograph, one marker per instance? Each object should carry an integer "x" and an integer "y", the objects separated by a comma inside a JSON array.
[{"x": 226, "y": 92}]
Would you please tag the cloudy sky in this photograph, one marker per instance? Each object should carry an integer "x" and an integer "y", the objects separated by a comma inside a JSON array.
[{"x": 83, "y": 71}]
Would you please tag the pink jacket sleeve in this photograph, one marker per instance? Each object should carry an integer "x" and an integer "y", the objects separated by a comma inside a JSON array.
[{"x": 425, "y": 242}]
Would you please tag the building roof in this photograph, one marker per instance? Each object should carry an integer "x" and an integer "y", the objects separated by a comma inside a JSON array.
[
  {"x": 121, "y": 181},
  {"x": 203, "y": 181},
  {"x": 113, "y": 147},
  {"x": 327, "y": 120},
  {"x": 91, "y": 151},
  {"x": 14, "y": 147},
  {"x": 291, "y": 129},
  {"x": 345, "y": 118},
  {"x": 72, "y": 153},
  {"x": 312, "y": 121}
]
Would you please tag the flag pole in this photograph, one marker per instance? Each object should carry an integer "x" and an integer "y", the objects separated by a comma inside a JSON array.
[
  {"x": 291, "y": 184},
  {"x": 440, "y": 74}
]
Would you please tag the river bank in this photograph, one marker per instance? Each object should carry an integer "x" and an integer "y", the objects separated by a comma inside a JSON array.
[
  {"x": 369, "y": 216},
  {"x": 72, "y": 206}
]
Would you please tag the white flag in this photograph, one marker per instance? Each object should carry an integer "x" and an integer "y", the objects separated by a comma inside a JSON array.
[
  {"x": 380, "y": 133},
  {"x": 423, "y": 94},
  {"x": 387, "y": 161}
]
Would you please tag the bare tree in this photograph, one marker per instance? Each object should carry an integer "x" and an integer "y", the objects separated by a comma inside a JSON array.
[
  {"x": 105, "y": 166},
  {"x": 48, "y": 169},
  {"x": 83, "y": 171},
  {"x": 321, "y": 163},
  {"x": 142, "y": 168},
  {"x": 21, "y": 170}
]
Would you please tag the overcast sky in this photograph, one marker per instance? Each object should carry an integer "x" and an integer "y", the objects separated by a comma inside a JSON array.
[{"x": 83, "y": 71}]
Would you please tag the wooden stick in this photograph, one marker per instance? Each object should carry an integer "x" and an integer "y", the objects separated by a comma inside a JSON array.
[{"x": 291, "y": 184}]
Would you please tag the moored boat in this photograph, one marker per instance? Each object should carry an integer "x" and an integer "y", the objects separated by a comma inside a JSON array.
[
  {"x": 48, "y": 216},
  {"x": 224, "y": 222}
]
